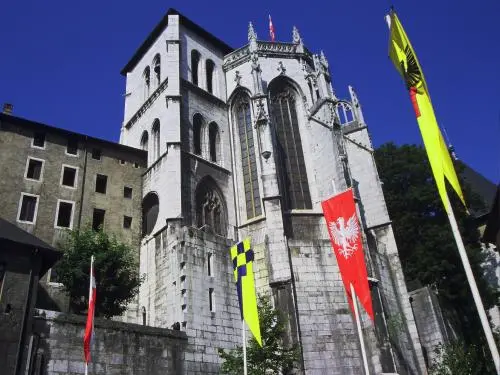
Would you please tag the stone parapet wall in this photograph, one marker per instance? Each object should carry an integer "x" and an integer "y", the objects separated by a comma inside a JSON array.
[{"x": 118, "y": 348}]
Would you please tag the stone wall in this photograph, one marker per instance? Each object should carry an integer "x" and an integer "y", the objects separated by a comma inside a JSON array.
[{"x": 118, "y": 348}]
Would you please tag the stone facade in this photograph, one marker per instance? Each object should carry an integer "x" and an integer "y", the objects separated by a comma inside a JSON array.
[
  {"x": 208, "y": 199},
  {"x": 122, "y": 166},
  {"x": 240, "y": 143}
]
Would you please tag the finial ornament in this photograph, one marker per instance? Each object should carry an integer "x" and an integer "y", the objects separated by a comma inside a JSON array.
[
  {"x": 323, "y": 59},
  {"x": 296, "y": 36},
  {"x": 252, "y": 35}
]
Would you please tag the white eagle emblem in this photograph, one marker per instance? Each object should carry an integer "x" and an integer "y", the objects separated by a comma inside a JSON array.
[{"x": 345, "y": 236}]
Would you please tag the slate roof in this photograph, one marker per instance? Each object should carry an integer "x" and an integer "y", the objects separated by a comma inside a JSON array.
[
  {"x": 12, "y": 235},
  {"x": 482, "y": 187}
]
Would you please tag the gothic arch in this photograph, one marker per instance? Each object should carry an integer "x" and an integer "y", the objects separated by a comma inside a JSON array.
[
  {"x": 286, "y": 111},
  {"x": 241, "y": 110},
  {"x": 210, "y": 206}
]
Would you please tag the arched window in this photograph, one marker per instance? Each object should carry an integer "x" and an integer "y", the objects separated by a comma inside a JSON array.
[
  {"x": 155, "y": 131},
  {"x": 210, "y": 67},
  {"x": 147, "y": 81},
  {"x": 150, "y": 208},
  {"x": 243, "y": 121},
  {"x": 197, "y": 126},
  {"x": 214, "y": 142},
  {"x": 144, "y": 140},
  {"x": 210, "y": 206},
  {"x": 195, "y": 62},
  {"x": 290, "y": 157},
  {"x": 157, "y": 70}
]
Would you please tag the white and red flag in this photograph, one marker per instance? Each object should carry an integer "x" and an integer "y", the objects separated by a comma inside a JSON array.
[
  {"x": 89, "y": 328},
  {"x": 345, "y": 235},
  {"x": 271, "y": 29}
]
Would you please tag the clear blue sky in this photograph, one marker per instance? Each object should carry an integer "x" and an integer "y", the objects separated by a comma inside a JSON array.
[{"x": 60, "y": 60}]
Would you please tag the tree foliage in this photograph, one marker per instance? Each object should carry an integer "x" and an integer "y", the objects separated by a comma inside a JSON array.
[
  {"x": 274, "y": 357},
  {"x": 115, "y": 268},
  {"x": 457, "y": 359},
  {"x": 426, "y": 245}
]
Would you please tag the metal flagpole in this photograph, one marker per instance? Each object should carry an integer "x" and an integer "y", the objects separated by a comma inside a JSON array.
[
  {"x": 244, "y": 347},
  {"x": 86, "y": 368},
  {"x": 475, "y": 291},
  {"x": 360, "y": 333}
]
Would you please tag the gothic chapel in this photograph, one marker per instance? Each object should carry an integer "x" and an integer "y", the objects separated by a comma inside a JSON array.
[{"x": 247, "y": 142}]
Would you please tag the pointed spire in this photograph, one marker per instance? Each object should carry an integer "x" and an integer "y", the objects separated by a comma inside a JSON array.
[
  {"x": 252, "y": 35},
  {"x": 296, "y": 36},
  {"x": 323, "y": 59}
]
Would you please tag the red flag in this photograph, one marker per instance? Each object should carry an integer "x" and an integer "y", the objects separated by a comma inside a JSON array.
[
  {"x": 89, "y": 328},
  {"x": 345, "y": 235},
  {"x": 271, "y": 29}
]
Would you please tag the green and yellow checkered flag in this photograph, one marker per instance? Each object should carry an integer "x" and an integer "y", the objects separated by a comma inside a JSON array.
[{"x": 242, "y": 256}]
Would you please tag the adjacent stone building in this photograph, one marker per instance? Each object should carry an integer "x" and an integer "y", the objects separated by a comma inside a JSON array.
[{"x": 220, "y": 144}]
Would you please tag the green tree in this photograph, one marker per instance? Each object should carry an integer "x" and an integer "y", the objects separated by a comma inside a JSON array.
[
  {"x": 274, "y": 357},
  {"x": 457, "y": 359},
  {"x": 426, "y": 245},
  {"x": 115, "y": 268}
]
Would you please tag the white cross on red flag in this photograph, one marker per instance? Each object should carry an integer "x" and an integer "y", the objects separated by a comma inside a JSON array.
[
  {"x": 89, "y": 328},
  {"x": 345, "y": 235},
  {"x": 271, "y": 29}
]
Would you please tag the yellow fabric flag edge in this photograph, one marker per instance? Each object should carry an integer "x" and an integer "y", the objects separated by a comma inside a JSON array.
[{"x": 406, "y": 63}]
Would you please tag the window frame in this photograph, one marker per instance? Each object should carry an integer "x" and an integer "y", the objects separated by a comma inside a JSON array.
[
  {"x": 35, "y": 213},
  {"x": 71, "y": 219},
  {"x": 125, "y": 218},
  {"x": 98, "y": 150},
  {"x": 75, "y": 182},
  {"x": 67, "y": 145},
  {"x": 105, "y": 186},
  {"x": 44, "y": 140},
  {"x": 103, "y": 217},
  {"x": 131, "y": 192},
  {"x": 42, "y": 169}
]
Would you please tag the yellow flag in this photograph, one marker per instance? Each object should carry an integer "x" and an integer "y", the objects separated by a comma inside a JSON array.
[
  {"x": 405, "y": 60},
  {"x": 242, "y": 257}
]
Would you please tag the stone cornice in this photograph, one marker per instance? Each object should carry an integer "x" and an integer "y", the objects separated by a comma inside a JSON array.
[{"x": 267, "y": 49}]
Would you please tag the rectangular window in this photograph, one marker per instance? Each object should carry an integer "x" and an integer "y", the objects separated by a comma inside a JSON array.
[
  {"x": 64, "y": 215},
  {"x": 96, "y": 154},
  {"x": 34, "y": 169},
  {"x": 68, "y": 177},
  {"x": 127, "y": 192},
  {"x": 38, "y": 140},
  {"x": 27, "y": 210},
  {"x": 101, "y": 182},
  {"x": 72, "y": 146},
  {"x": 127, "y": 222},
  {"x": 210, "y": 264},
  {"x": 211, "y": 299},
  {"x": 98, "y": 219}
]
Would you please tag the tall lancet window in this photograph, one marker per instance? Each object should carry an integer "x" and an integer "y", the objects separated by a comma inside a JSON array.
[
  {"x": 147, "y": 81},
  {"x": 243, "y": 121},
  {"x": 157, "y": 70},
  {"x": 290, "y": 157},
  {"x": 144, "y": 142},
  {"x": 195, "y": 62},
  {"x": 155, "y": 131},
  {"x": 209, "y": 69}
]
